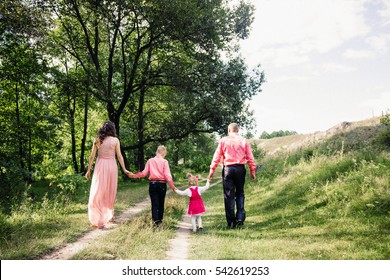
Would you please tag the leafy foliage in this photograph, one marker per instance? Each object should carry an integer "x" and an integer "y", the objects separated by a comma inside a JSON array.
[
  {"x": 384, "y": 136},
  {"x": 66, "y": 66},
  {"x": 274, "y": 134}
]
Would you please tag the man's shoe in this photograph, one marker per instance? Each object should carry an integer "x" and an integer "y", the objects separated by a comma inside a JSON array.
[{"x": 240, "y": 223}]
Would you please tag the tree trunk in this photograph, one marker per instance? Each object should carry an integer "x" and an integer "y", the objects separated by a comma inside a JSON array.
[
  {"x": 175, "y": 153},
  {"x": 141, "y": 120},
  {"x": 74, "y": 156},
  {"x": 114, "y": 116},
  {"x": 84, "y": 139},
  {"x": 28, "y": 179},
  {"x": 141, "y": 148},
  {"x": 18, "y": 125}
]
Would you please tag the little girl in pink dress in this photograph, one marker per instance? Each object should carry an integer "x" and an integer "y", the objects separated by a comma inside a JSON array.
[{"x": 196, "y": 207}]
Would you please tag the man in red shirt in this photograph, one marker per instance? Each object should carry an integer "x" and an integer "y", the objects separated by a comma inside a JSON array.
[
  {"x": 159, "y": 175},
  {"x": 235, "y": 151}
]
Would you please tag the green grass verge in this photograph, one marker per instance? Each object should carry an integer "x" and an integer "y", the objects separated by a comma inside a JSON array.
[
  {"x": 328, "y": 208},
  {"x": 137, "y": 239},
  {"x": 35, "y": 229}
]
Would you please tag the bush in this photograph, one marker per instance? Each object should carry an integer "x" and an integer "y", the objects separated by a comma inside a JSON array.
[
  {"x": 258, "y": 153},
  {"x": 12, "y": 185},
  {"x": 271, "y": 169},
  {"x": 199, "y": 164},
  {"x": 71, "y": 187},
  {"x": 383, "y": 138}
]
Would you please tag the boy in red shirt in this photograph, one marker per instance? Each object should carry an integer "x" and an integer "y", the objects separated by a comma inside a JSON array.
[{"x": 159, "y": 175}]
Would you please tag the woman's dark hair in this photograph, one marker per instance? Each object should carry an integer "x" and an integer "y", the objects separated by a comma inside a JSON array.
[{"x": 107, "y": 129}]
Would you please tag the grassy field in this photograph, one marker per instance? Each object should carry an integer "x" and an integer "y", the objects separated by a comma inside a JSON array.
[
  {"x": 138, "y": 239},
  {"x": 37, "y": 228},
  {"x": 324, "y": 209},
  {"x": 329, "y": 201}
]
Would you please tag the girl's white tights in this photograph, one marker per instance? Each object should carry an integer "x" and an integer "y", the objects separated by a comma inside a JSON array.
[{"x": 193, "y": 220}]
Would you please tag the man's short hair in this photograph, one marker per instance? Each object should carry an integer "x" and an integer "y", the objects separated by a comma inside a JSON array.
[{"x": 233, "y": 127}]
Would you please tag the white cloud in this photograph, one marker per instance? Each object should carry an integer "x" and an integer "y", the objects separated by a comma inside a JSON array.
[
  {"x": 282, "y": 79},
  {"x": 309, "y": 50},
  {"x": 380, "y": 43},
  {"x": 379, "y": 104},
  {"x": 295, "y": 29},
  {"x": 385, "y": 12},
  {"x": 337, "y": 68},
  {"x": 287, "y": 56},
  {"x": 351, "y": 53}
]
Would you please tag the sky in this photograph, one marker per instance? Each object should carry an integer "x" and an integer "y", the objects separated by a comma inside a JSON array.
[{"x": 325, "y": 62}]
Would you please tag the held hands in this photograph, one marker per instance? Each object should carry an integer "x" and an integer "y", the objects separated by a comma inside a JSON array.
[{"x": 129, "y": 174}]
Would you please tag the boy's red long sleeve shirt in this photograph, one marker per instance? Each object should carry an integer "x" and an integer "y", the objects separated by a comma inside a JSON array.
[{"x": 158, "y": 170}]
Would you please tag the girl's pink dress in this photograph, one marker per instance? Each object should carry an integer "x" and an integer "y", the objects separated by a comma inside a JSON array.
[
  {"x": 104, "y": 184},
  {"x": 196, "y": 203}
]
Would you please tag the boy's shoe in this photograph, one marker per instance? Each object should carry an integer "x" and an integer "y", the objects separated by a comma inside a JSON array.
[
  {"x": 157, "y": 223},
  {"x": 231, "y": 226}
]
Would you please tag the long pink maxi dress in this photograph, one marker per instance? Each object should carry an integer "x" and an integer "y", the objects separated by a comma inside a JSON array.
[{"x": 104, "y": 184}]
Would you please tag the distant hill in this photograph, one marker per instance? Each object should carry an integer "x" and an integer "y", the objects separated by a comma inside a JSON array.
[{"x": 293, "y": 142}]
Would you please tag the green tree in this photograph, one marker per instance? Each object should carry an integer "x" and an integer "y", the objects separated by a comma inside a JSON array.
[
  {"x": 274, "y": 134},
  {"x": 133, "y": 51},
  {"x": 27, "y": 126}
]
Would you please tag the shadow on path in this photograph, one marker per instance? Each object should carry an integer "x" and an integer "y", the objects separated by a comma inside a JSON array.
[{"x": 71, "y": 249}]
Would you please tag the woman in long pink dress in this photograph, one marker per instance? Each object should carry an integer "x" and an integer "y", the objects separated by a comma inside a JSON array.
[{"x": 105, "y": 175}]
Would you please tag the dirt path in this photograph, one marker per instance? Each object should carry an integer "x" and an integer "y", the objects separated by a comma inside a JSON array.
[
  {"x": 179, "y": 246},
  {"x": 71, "y": 249}
]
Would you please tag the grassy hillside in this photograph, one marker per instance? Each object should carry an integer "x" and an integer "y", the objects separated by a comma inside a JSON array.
[
  {"x": 326, "y": 200},
  {"x": 292, "y": 143}
]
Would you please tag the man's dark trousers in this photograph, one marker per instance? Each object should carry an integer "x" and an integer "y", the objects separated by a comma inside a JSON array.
[{"x": 233, "y": 186}]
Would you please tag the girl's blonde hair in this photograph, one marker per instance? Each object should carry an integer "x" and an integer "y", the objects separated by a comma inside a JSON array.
[{"x": 192, "y": 180}]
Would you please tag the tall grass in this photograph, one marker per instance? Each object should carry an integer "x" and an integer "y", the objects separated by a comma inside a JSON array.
[
  {"x": 37, "y": 226},
  {"x": 137, "y": 239},
  {"x": 334, "y": 206},
  {"x": 330, "y": 201}
]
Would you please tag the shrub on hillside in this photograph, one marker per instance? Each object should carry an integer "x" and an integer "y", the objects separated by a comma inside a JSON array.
[{"x": 383, "y": 137}]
